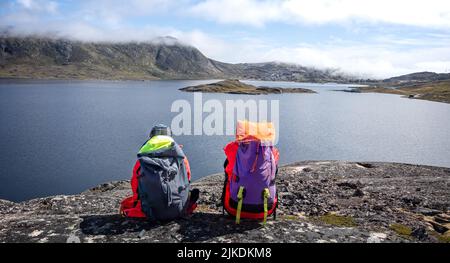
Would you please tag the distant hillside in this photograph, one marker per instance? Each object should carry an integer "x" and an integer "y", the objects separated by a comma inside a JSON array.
[
  {"x": 420, "y": 85},
  {"x": 288, "y": 72},
  {"x": 420, "y": 77},
  {"x": 63, "y": 59}
]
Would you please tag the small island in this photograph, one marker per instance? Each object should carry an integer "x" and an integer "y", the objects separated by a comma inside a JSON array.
[{"x": 234, "y": 86}]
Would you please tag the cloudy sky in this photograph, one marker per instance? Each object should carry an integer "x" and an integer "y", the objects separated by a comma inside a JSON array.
[{"x": 371, "y": 38}]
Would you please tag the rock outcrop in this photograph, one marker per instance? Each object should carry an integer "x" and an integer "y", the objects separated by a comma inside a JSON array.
[{"x": 328, "y": 201}]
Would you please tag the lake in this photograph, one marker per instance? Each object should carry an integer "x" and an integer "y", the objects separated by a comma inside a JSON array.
[{"x": 63, "y": 137}]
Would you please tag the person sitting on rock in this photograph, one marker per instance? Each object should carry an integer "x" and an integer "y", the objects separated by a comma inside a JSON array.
[{"x": 161, "y": 180}]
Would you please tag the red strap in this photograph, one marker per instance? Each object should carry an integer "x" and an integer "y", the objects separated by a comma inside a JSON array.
[
  {"x": 191, "y": 208},
  {"x": 188, "y": 168},
  {"x": 256, "y": 159}
]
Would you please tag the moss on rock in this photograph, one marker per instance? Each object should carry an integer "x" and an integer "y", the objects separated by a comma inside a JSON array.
[
  {"x": 337, "y": 220},
  {"x": 402, "y": 230}
]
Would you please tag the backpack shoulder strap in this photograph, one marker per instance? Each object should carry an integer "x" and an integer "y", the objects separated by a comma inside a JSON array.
[
  {"x": 266, "y": 195},
  {"x": 240, "y": 197}
]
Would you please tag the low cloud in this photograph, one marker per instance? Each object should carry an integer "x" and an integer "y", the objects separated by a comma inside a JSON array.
[
  {"x": 383, "y": 55},
  {"x": 376, "y": 58}
]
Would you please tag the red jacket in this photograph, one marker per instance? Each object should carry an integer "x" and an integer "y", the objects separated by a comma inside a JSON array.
[{"x": 131, "y": 206}]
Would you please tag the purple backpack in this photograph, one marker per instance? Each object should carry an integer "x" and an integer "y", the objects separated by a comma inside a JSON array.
[{"x": 250, "y": 192}]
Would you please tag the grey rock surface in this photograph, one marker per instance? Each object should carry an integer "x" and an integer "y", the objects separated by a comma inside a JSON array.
[{"x": 327, "y": 201}]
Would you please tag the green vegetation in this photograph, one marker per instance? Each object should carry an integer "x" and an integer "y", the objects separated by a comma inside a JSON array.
[
  {"x": 402, "y": 230},
  {"x": 290, "y": 217},
  {"x": 336, "y": 220},
  {"x": 435, "y": 91},
  {"x": 443, "y": 238}
]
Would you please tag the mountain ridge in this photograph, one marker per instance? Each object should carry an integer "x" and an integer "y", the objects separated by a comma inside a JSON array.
[
  {"x": 424, "y": 76},
  {"x": 164, "y": 58},
  {"x": 160, "y": 58}
]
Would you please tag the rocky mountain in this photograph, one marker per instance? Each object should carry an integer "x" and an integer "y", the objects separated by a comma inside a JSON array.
[
  {"x": 48, "y": 58},
  {"x": 164, "y": 58}
]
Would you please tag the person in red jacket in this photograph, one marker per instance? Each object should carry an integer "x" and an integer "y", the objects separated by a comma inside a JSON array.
[{"x": 131, "y": 206}]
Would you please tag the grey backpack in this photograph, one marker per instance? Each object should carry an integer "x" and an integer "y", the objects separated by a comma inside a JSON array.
[{"x": 163, "y": 185}]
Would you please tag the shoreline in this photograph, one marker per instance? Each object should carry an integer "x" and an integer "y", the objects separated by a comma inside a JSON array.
[
  {"x": 352, "y": 87},
  {"x": 437, "y": 91},
  {"x": 320, "y": 201}
]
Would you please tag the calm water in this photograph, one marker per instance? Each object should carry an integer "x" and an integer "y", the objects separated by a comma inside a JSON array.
[{"x": 59, "y": 137}]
